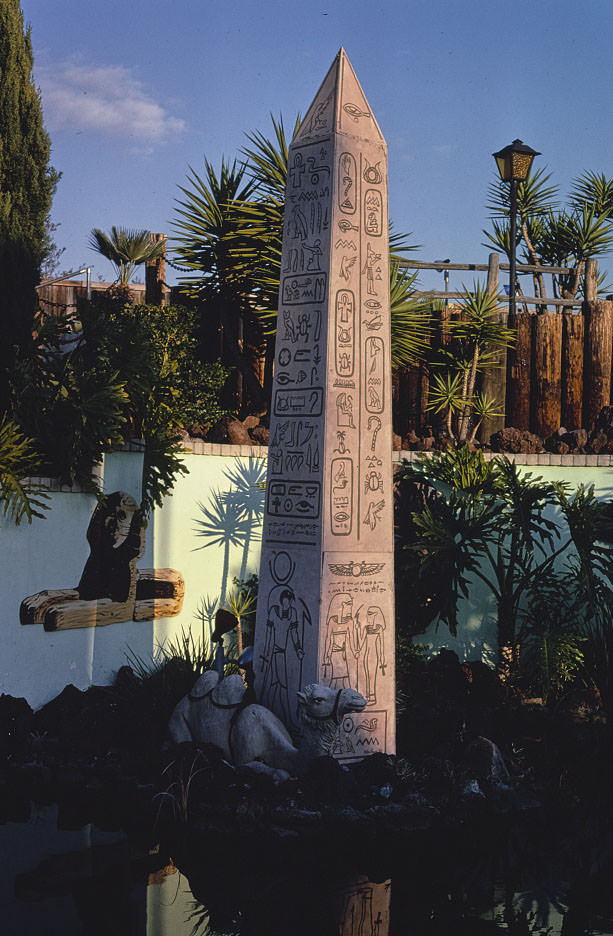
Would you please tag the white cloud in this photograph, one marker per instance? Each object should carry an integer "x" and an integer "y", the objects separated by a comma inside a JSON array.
[{"x": 105, "y": 99}]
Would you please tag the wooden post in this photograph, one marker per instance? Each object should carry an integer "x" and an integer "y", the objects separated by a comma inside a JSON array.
[
  {"x": 519, "y": 370},
  {"x": 412, "y": 391},
  {"x": 597, "y": 360},
  {"x": 155, "y": 276},
  {"x": 547, "y": 373},
  {"x": 494, "y": 382},
  {"x": 572, "y": 369},
  {"x": 424, "y": 415}
]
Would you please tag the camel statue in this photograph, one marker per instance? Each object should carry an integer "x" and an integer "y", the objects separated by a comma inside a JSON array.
[{"x": 251, "y": 735}]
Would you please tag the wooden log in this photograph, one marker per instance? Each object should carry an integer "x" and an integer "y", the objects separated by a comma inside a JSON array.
[
  {"x": 572, "y": 369},
  {"x": 159, "y": 594},
  {"x": 519, "y": 370},
  {"x": 155, "y": 277},
  {"x": 401, "y": 404},
  {"x": 597, "y": 360},
  {"x": 547, "y": 374},
  {"x": 412, "y": 391},
  {"x": 423, "y": 392}
]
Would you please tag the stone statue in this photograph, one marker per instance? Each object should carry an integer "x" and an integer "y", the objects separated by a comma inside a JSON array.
[
  {"x": 111, "y": 588},
  {"x": 249, "y": 734}
]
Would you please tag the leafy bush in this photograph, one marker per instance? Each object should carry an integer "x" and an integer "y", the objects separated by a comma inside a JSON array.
[
  {"x": 133, "y": 373},
  {"x": 17, "y": 460},
  {"x": 487, "y": 521}
]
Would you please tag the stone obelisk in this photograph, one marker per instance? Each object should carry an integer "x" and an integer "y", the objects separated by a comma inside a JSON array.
[{"x": 326, "y": 599}]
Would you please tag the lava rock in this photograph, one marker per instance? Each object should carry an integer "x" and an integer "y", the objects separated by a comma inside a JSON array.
[
  {"x": 562, "y": 442},
  {"x": 238, "y": 433},
  {"x": 16, "y": 722},
  {"x": 327, "y": 781},
  {"x": 517, "y": 441},
  {"x": 601, "y": 439},
  {"x": 260, "y": 435}
]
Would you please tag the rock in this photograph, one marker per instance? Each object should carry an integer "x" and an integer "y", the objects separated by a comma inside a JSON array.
[
  {"x": 250, "y": 422},
  {"x": 601, "y": 439},
  {"x": 374, "y": 771},
  {"x": 396, "y": 442},
  {"x": 15, "y": 722},
  {"x": 260, "y": 435},
  {"x": 412, "y": 441},
  {"x": 516, "y": 441},
  {"x": 576, "y": 439},
  {"x": 326, "y": 780},
  {"x": 238, "y": 434},
  {"x": 485, "y": 761},
  {"x": 556, "y": 445},
  {"x": 562, "y": 442},
  {"x": 427, "y": 443}
]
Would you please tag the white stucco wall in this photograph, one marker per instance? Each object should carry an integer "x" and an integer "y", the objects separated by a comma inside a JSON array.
[{"x": 51, "y": 553}]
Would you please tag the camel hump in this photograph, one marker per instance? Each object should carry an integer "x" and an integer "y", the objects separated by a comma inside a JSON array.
[
  {"x": 229, "y": 691},
  {"x": 204, "y": 684}
]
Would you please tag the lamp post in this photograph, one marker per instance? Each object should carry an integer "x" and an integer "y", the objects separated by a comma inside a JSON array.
[{"x": 514, "y": 163}]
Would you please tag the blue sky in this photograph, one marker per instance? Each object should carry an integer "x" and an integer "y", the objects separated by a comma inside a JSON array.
[{"x": 134, "y": 92}]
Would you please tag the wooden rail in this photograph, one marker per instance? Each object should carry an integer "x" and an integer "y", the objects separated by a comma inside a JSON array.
[
  {"x": 481, "y": 267},
  {"x": 502, "y": 298}
]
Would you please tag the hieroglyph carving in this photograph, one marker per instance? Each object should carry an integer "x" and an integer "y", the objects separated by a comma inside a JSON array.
[{"x": 329, "y": 489}]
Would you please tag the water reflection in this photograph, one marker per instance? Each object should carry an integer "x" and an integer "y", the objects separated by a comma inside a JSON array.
[
  {"x": 364, "y": 908},
  {"x": 86, "y": 881}
]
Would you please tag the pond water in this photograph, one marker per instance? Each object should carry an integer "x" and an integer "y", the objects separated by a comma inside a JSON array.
[{"x": 90, "y": 881}]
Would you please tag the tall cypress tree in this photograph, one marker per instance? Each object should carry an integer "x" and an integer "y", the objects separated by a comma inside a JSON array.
[{"x": 27, "y": 184}]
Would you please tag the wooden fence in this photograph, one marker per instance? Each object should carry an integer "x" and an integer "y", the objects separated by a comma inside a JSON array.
[{"x": 557, "y": 373}]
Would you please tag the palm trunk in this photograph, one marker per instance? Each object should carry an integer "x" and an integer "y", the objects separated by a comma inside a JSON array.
[
  {"x": 535, "y": 261},
  {"x": 507, "y": 650}
]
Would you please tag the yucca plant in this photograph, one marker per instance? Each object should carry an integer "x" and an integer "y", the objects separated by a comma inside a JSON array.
[
  {"x": 476, "y": 338},
  {"x": 554, "y": 237},
  {"x": 242, "y": 604},
  {"x": 229, "y": 231}
]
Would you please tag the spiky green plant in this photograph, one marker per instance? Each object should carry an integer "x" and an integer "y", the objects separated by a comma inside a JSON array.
[
  {"x": 476, "y": 338},
  {"x": 232, "y": 234},
  {"x": 126, "y": 248},
  {"x": 17, "y": 460}
]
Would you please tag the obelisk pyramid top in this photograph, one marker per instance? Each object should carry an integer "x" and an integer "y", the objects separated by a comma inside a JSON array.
[{"x": 340, "y": 106}]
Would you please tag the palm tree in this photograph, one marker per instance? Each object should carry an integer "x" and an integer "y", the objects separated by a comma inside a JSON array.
[
  {"x": 126, "y": 248},
  {"x": 205, "y": 238}
]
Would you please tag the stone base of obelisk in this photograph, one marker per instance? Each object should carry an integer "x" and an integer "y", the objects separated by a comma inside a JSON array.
[{"x": 350, "y": 646}]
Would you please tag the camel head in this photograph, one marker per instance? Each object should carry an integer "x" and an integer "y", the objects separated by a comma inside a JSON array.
[{"x": 320, "y": 703}]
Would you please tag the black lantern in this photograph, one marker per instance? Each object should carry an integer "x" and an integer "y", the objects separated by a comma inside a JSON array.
[{"x": 514, "y": 163}]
